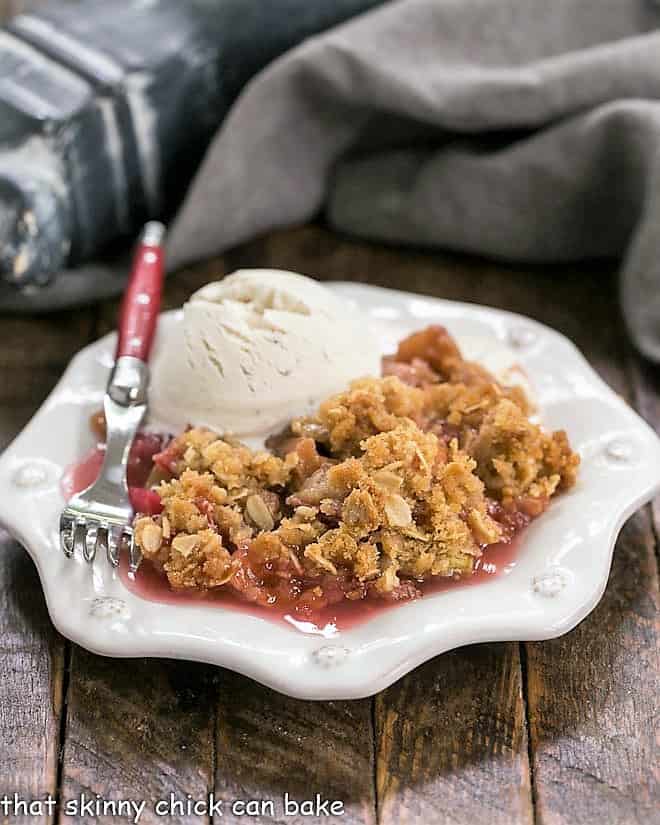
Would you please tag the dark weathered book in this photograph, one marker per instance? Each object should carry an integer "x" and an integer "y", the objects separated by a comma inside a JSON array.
[{"x": 106, "y": 108}]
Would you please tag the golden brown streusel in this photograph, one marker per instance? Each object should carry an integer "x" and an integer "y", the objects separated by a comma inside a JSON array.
[{"x": 394, "y": 480}]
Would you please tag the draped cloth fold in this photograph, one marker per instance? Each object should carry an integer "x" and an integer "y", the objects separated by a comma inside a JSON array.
[{"x": 516, "y": 129}]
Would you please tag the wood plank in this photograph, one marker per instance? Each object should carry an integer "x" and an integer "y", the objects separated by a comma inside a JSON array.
[
  {"x": 33, "y": 354},
  {"x": 31, "y": 695},
  {"x": 269, "y": 745},
  {"x": 593, "y": 700},
  {"x": 452, "y": 743},
  {"x": 138, "y": 730}
]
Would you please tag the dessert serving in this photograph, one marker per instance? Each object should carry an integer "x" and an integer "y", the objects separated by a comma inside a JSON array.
[
  {"x": 395, "y": 480},
  {"x": 494, "y": 453}
]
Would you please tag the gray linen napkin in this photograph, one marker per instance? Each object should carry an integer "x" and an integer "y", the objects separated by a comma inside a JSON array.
[{"x": 520, "y": 129}]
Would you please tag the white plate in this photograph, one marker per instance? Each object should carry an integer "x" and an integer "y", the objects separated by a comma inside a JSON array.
[{"x": 560, "y": 575}]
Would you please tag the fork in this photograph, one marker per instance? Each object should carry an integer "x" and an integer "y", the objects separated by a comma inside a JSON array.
[{"x": 99, "y": 517}]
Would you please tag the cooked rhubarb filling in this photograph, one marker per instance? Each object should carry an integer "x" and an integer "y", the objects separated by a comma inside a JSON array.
[{"x": 396, "y": 480}]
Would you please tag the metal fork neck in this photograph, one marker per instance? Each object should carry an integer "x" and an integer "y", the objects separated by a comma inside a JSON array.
[{"x": 128, "y": 382}]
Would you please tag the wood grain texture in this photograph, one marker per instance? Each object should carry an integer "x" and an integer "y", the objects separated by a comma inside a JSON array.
[
  {"x": 31, "y": 695},
  {"x": 269, "y": 745},
  {"x": 452, "y": 744},
  {"x": 139, "y": 729},
  {"x": 32, "y": 356},
  {"x": 593, "y": 701}
]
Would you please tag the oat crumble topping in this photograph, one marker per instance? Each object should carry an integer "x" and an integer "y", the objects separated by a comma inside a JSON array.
[{"x": 393, "y": 481}]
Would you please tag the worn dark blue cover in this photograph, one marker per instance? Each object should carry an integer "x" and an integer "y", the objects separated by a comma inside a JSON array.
[{"x": 105, "y": 111}]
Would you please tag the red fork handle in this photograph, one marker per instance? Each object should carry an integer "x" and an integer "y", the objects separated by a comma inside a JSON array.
[{"x": 141, "y": 304}]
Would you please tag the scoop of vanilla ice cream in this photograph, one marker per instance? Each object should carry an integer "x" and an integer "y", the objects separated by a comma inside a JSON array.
[{"x": 257, "y": 349}]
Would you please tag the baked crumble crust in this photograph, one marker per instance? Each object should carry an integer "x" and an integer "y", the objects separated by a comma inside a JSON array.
[{"x": 393, "y": 481}]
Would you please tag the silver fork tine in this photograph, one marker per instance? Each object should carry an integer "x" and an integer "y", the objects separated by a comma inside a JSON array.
[
  {"x": 101, "y": 544},
  {"x": 89, "y": 548},
  {"x": 94, "y": 520},
  {"x": 79, "y": 536},
  {"x": 134, "y": 554},
  {"x": 66, "y": 535},
  {"x": 114, "y": 545}
]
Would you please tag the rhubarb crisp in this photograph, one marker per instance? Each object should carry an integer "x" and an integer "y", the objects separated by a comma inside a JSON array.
[{"x": 400, "y": 478}]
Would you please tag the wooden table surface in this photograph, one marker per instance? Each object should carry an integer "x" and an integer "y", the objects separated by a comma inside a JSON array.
[{"x": 562, "y": 731}]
